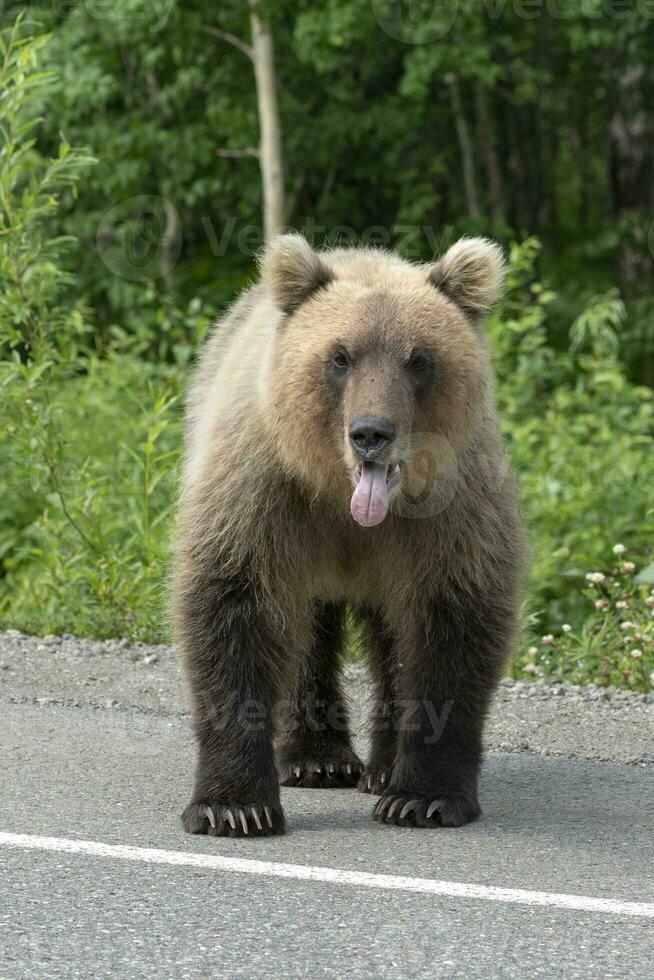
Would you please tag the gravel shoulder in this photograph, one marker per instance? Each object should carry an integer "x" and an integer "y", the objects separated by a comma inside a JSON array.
[{"x": 537, "y": 717}]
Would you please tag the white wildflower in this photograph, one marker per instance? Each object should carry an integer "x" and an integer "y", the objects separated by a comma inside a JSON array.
[
  {"x": 628, "y": 567},
  {"x": 627, "y": 625},
  {"x": 636, "y": 654},
  {"x": 621, "y": 604},
  {"x": 532, "y": 651},
  {"x": 595, "y": 578},
  {"x": 548, "y": 639},
  {"x": 567, "y": 628},
  {"x": 601, "y": 604},
  {"x": 619, "y": 549}
]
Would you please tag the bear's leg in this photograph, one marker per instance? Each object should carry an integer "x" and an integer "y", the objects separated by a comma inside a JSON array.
[
  {"x": 382, "y": 723},
  {"x": 450, "y": 665},
  {"x": 232, "y": 659},
  {"x": 314, "y": 750}
]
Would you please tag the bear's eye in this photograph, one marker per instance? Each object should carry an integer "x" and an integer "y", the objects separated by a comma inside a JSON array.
[
  {"x": 340, "y": 361},
  {"x": 419, "y": 363}
]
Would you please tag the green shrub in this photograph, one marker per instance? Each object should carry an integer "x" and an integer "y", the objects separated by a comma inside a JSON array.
[
  {"x": 90, "y": 436},
  {"x": 88, "y": 439},
  {"x": 580, "y": 436},
  {"x": 614, "y": 644}
]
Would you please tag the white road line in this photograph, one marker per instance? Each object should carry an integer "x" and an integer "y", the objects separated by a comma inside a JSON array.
[{"x": 334, "y": 876}]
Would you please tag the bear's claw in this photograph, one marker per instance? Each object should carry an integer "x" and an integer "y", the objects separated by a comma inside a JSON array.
[
  {"x": 319, "y": 776},
  {"x": 373, "y": 781},
  {"x": 408, "y": 810},
  {"x": 315, "y": 766},
  {"x": 234, "y": 820}
]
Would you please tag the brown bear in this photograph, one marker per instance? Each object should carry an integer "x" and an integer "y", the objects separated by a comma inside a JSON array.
[{"x": 344, "y": 458}]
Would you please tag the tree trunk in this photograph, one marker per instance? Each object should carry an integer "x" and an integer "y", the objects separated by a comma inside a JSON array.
[
  {"x": 631, "y": 172},
  {"x": 487, "y": 143},
  {"x": 518, "y": 170},
  {"x": 465, "y": 145},
  {"x": 630, "y": 161},
  {"x": 170, "y": 243},
  {"x": 270, "y": 146}
]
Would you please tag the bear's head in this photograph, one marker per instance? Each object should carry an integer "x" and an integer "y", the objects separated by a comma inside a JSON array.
[{"x": 379, "y": 371}]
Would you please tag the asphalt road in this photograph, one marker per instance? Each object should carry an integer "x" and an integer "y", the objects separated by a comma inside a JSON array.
[{"x": 120, "y": 775}]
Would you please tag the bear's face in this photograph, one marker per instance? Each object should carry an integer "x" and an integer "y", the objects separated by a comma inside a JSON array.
[{"x": 379, "y": 368}]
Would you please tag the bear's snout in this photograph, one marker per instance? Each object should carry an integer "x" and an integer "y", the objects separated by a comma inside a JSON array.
[{"x": 370, "y": 436}]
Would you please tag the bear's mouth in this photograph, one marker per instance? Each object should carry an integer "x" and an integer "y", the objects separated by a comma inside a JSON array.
[{"x": 374, "y": 480}]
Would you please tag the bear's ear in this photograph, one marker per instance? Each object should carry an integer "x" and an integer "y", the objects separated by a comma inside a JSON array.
[
  {"x": 292, "y": 271},
  {"x": 471, "y": 274}
]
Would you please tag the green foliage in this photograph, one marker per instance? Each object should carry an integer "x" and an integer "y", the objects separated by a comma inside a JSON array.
[
  {"x": 30, "y": 192},
  {"x": 88, "y": 439},
  {"x": 597, "y": 327},
  {"x": 615, "y": 642},
  {"x": 85, "y": 520},
  {"x": 580, "y": 437},
  {"x": 96, "y": 336},
  {"x": 555, "y": 98}
]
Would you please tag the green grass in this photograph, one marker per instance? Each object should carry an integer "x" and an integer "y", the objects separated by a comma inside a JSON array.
[{"x": 84, "y": 538}]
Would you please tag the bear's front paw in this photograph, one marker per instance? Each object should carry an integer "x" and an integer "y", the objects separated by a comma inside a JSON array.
[
  {"x": 318, "y": 766},
  {"x": 409, "y": 810},
  {"x": 234, "y": 819},
  {"x": 374, "y": 780}
]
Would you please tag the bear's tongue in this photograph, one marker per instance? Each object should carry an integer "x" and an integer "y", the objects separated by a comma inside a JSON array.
[{"x": 369, "y": 504}]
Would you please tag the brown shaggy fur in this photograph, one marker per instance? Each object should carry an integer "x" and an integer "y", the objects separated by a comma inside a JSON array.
[{"x": 269, "y": 555}]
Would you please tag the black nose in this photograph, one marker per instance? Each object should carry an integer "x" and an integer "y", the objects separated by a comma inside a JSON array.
[{"x": 371, "y": 435}]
